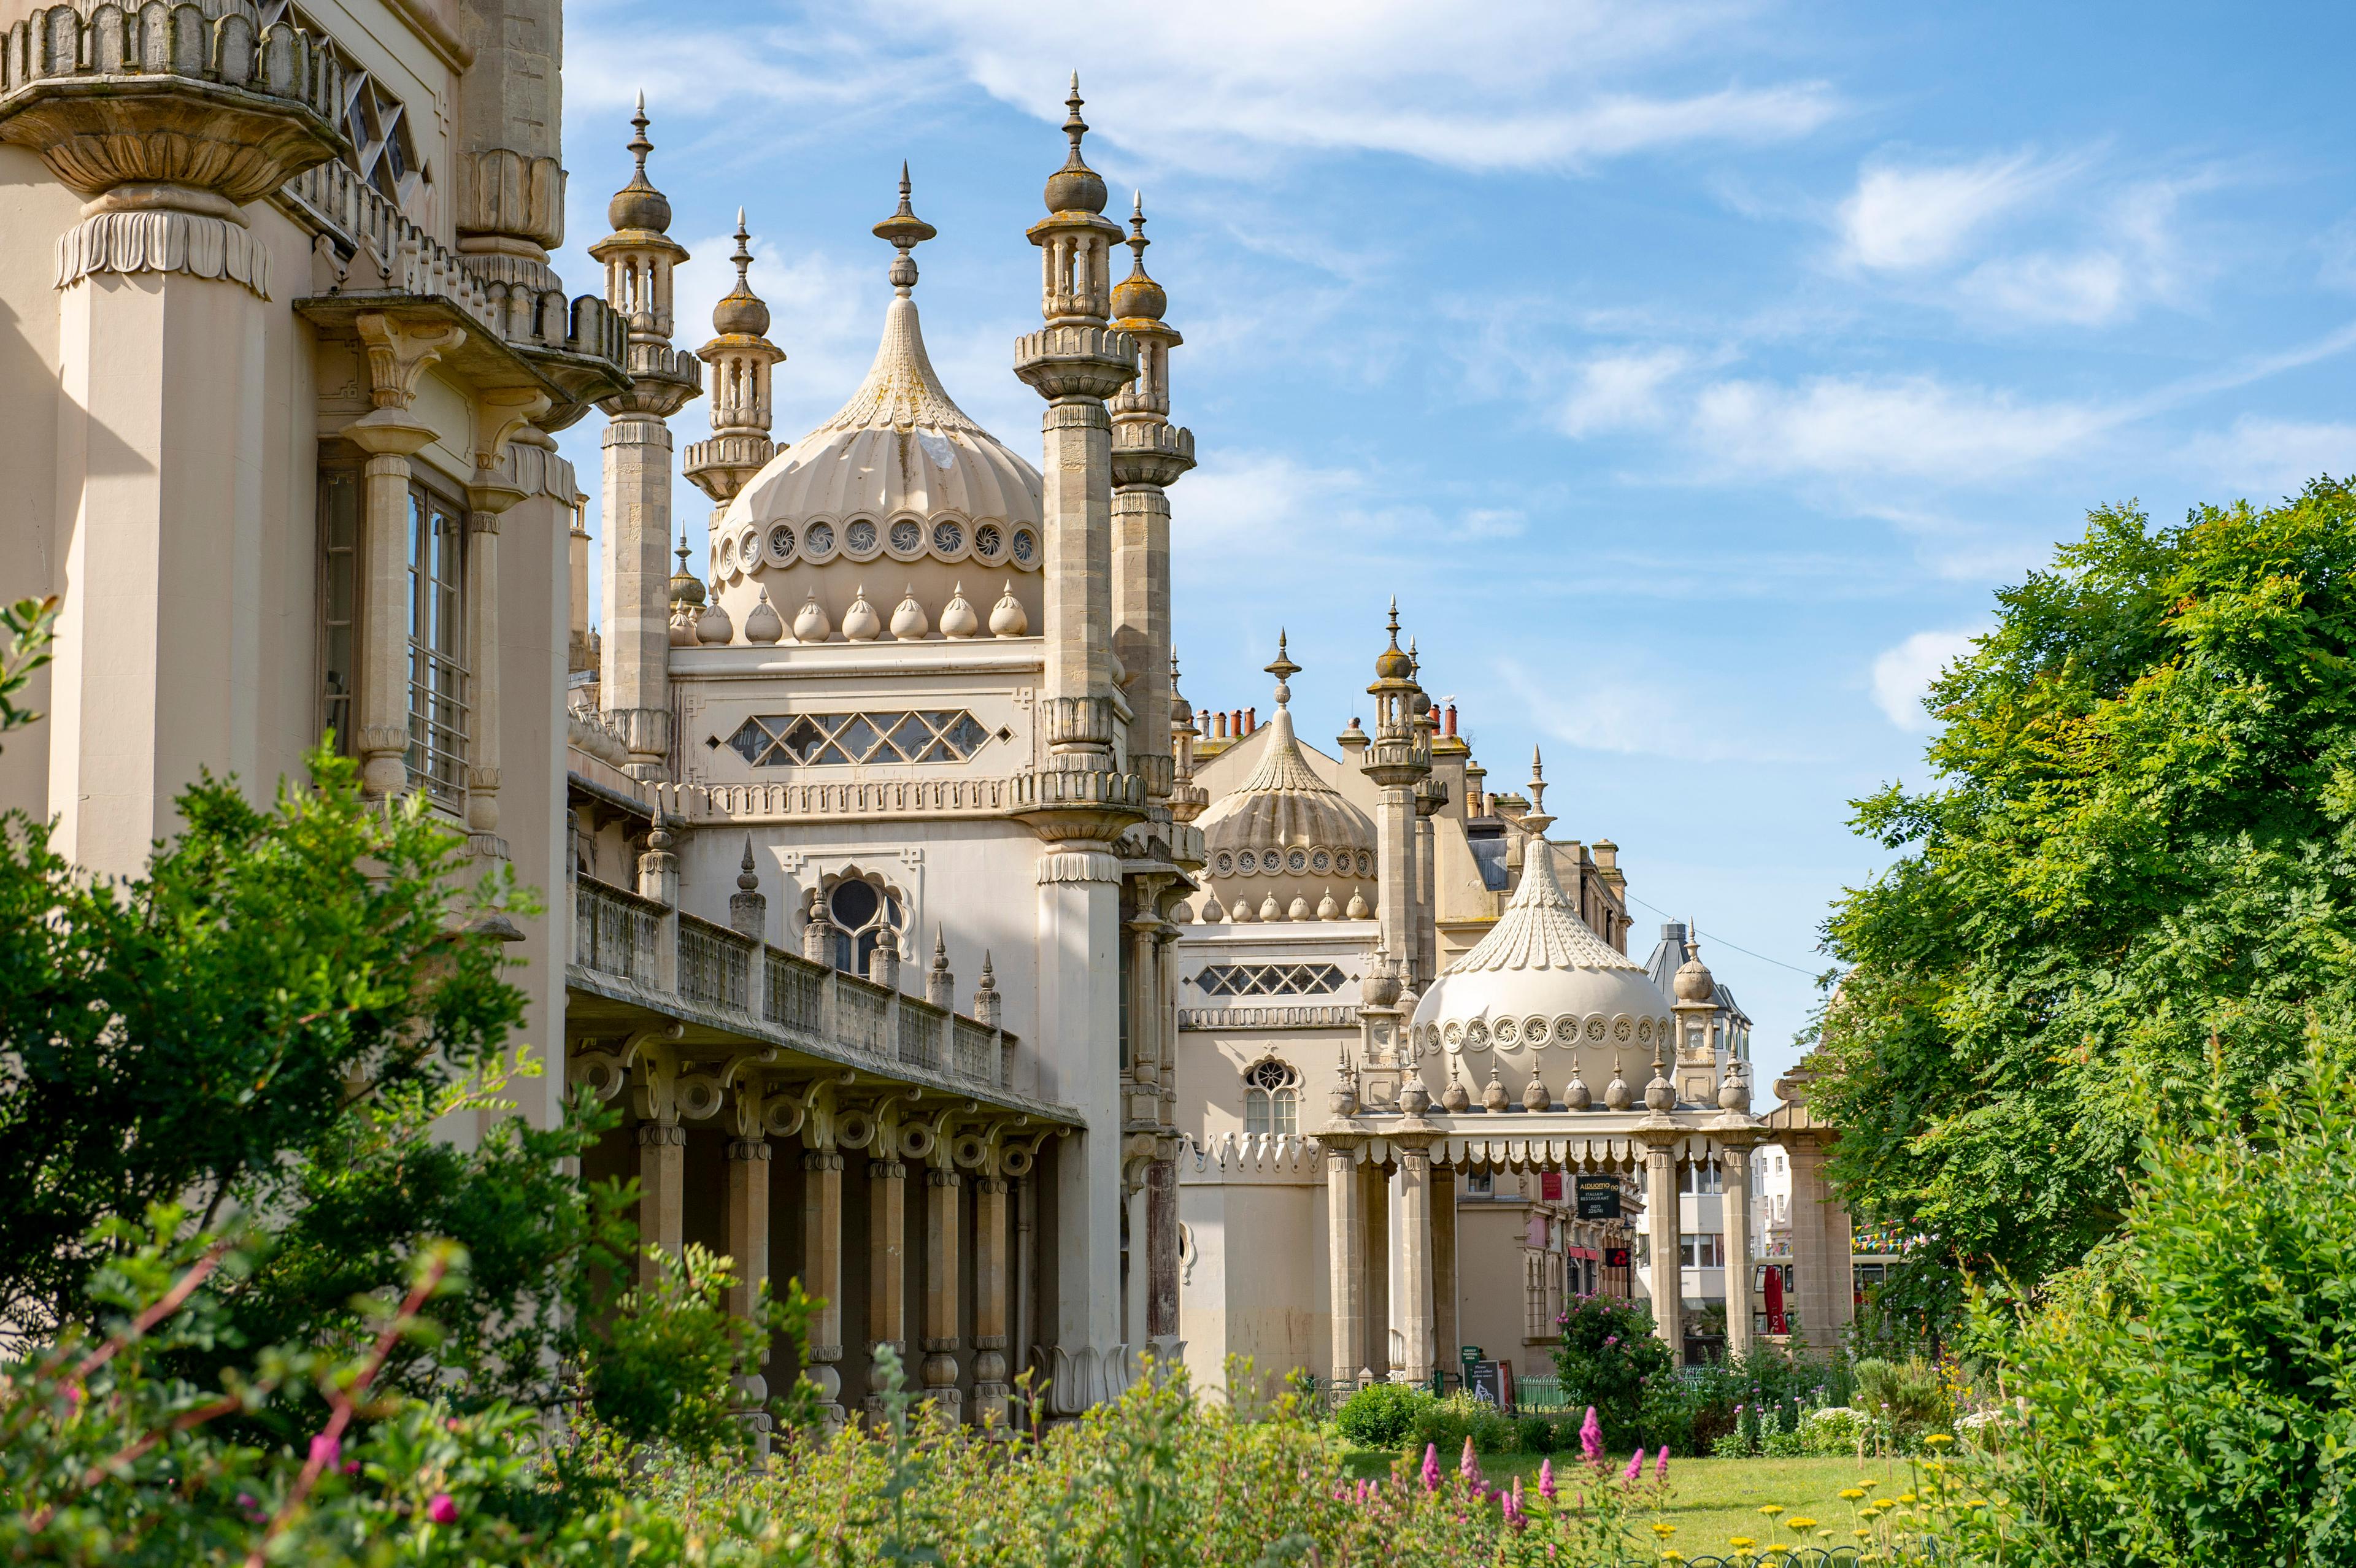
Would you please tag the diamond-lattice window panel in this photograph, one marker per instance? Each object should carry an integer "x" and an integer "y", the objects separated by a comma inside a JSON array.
[
  {"x": 1269, "y": 980},
  {"x": 843, "y": 740}
]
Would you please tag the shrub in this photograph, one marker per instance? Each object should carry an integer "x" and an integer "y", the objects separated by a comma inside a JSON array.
[
  {"x": 1445, "y": 1423},
  {"x": 1610, "y": 1358},
  {"x": 1908, "y": 1397},
  {"x": 1381, "y": 1415},
  {"x": 1536, "y": 1435}
]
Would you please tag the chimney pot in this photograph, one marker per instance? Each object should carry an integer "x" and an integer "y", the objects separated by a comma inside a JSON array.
[{"x": 1251, "y": 720}]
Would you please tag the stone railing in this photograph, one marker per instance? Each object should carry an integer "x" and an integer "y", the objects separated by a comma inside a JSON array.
[
  {"x": 218, "y": 42},
  {"x": 389, "y": 254},
  {"x": 622, "y": 937}
]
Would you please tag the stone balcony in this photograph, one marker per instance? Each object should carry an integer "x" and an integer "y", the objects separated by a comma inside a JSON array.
[{"x": 634, "y": 955}]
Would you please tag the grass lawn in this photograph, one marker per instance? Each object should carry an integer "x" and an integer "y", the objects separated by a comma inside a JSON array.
[{"x": 1712, "y": 1499}]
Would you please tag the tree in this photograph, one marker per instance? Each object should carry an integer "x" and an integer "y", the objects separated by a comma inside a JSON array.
[
  {"x": 1608, "y": 1357},
  {"x": 2130, "y": 887}
]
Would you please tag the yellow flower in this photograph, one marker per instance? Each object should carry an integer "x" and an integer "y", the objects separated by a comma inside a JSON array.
[
  {"x": 1664, "y": 1531},
  {"x": 1906, "y": 1498},
  {"x": 1938, "y": 1440},
  {"x": 1771, "y": 1510},
  {"x": 1741, "y": 1542},
  {"x": 1671, "y": 1554},
  {"x": 1977, "y": 1502},
  {"x": 1869, "y": 1485},
  {"x": 1801, "y": 1521},
  {"x": 1861, "y": 1534},
  {"x": 1852, "y": 1493}
]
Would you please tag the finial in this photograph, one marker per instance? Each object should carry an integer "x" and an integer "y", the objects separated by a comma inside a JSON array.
[
  {"x": 1137, "y": 242},
  {"x": 746, "y": 880},
  {"x": 683, "y": 554},
  {"x": 638, "y": 145},
  {"x": 1076, "y": 187},
  {"x": 744, "y": 256},
  {"x": 905, "y": 230},
  {"x": 1284, "y": 669},
  {"x": 1538, "y": 781},
  {"x": 1073, "y": 127},
  {"x": 639, "y": 206}
]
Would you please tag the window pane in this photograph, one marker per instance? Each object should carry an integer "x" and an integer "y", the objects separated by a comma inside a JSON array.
[
  {"x": 1255, "y": 1110},
  {"x": 852, "y": 903},
  {"x": 1288, "y": 1110}
]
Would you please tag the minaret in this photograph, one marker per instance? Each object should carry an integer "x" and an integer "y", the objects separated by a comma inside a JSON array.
[
  {"x": 1188, "y": 798},
  {"x": 1430, "y": 794},
  {"x": 1149, "y": 453},
  {"x": 639, "y": 256},
  {"x": 740, "y": 357},
  {"x": 1080, "y": 800},
  {"x": 1075, "y": 361},
  {"x": 1397, "y": 760}
]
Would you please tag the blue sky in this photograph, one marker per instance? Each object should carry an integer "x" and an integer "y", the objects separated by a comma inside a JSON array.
[{"x": 1691, "y": 371}]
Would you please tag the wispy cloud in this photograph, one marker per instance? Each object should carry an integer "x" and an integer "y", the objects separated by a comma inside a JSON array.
[
  {"x": 2265, "y": 458},
  {"x": 1620, "y": 390},
  {"x": 1903, "y": 675},
  {"x": 1902, "y": 218},
  {"x": 1604, "y": 711},
  {"x": 1912, "y": 426}
]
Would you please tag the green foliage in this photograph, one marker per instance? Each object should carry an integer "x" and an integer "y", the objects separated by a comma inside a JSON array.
[
  {"x": 1448, "y": 1424},
  {"x": 1907, "y": 1398},
  {"x": 1610, "y": 1358},
  {"x": 28, "y": 624},
  {"x": 175, "y": 1038},
  {"x": 2188, "y": 1394},
  {"x": 2134, "y": 877},
  {"x": 1381, "y": 1415}
]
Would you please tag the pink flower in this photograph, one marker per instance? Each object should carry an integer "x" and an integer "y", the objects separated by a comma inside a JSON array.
[
  {"x": 1591, "y": 1438},
  {"x": 1546, "y": 1479},
  {"x": 1431, "y": 1467},
  {"x": 1468, "y": 1467},
  {"x": 1661, "y": 1465},
  {"x": 326, "y": 1450},
  {"x": 442, "y": 1509},
  {"x": 351, "y": 1466},
  {"x": 1635, "y": 1465}
]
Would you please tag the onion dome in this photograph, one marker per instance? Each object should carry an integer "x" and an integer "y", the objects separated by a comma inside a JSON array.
[
  {"x": 740, "y": 312},
  {"x": 764, "y": 625},
  {"x": 1540, "y": 978},
  {"x": 639, "y": 205},
  {"x": 714, "y": 626},
  {"x": 1392, "y": 663},
  {"x": 1076, "y": 187},
  {"x": 1138, "y": 297},
  {"x": 1285, "y": 838},
  {"x": 1694, "y": 981},
  {"x": 1181, "y": 712},
  {"x": 685, "y": 588}
]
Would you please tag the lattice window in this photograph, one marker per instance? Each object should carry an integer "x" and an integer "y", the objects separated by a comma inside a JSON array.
[
  {"x": 1271, "y": 1097},
  {"x": 373, "y": 118},
  {"x": 837, "y": 740},
  {"x": 438, "y": 673},
  {"x": 1269, "y": 980}
]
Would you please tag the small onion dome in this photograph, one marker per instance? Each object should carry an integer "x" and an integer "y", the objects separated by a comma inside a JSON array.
[
  {"x": 764, "y": 625},
  {"x": 684, "y": 587},
  {"x": 740, "y": 312},
  {"x": 1138, "y": 297},
  {"x": 714, "y": 626},
  {"x": 1392, "y": 663},
  {"x": 1076, "y": 187},
  {"x": 1694, "y": 981},
  {"x": 639, "y": 205}
]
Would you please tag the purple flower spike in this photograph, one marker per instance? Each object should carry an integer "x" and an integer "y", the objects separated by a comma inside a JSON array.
[
  {"x": 1468, "y": 1467},
  {"x": 1661, "y": 1465},
  {"x": 1635, "y": 1465},
  {"x": 1431, "y": 1467},
  {"x": 1546, "y": 1479},
  {"x": 1591, "y": 1438}
]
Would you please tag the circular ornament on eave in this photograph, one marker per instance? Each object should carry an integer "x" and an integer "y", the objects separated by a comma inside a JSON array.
[
  {"x": 1026, "y": 549},
  {"x": 905, "y": 538},
  {"x": 861, "y": 540},
  {"x": 989, "y": 542},
  {"x": 949, "y": 540},
  {"x": 781, "y": 545},
  {"x": 819, "y": 540},
  {"x": 1624, "y": 1029},
  {"x": 1643, "y": 1030},
  {"x": 1453, "y": 1034},
  {"x": 1535, "y": 1030},
  {"x": 1508, "y": 1033}
]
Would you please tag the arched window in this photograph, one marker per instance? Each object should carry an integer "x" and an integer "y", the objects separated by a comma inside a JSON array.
[
  {"x": 1271, "y": 1098},
  {"x": 862, "y": 914}
]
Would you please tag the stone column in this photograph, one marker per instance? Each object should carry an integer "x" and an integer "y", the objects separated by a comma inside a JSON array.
[
  {"x": 822, "y": 1272},
  {"x": 1161, "y": 1323},
  {"x": 1427, "y": 800},
  {"x": 1736, "y": 1204},
  {"x": 1413, "y": 1185},
  {"x": 1661, "y": 1228},
  {"x": 887, "y": 1242},
  {"x": 635, "y": 684},
  {"x": 1812, "y": 1263},
  {"x": 1443, "y": 1266},
  {"x": 1345, "y": 1236},
  {"x": 1139, "y": 1275},
  {"x": 990, "y": 1315},
  {"x": 943, "y": 1300},
  {"x": 748, "y": 1250},
  {"x": 383, "y": 737},
  {"x": 662, "y": 1165}
]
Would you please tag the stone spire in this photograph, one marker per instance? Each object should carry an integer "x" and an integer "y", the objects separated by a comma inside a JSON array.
[
  {"x": 1149, "y": 455},
  {"x": 639, "y": 258},
  {"x": 741, "y": 357},
  {"x": 1397, "y": 760}
]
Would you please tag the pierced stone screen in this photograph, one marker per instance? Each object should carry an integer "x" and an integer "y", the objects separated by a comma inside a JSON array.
[
  {"x": 808, "y": 739},
  {"x": 1270, "y": 979}
]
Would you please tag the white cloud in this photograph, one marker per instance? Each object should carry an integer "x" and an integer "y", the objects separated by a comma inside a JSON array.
[
  {"x": 1604, "y": 711},
  {"x": 1516, "y": 84},
  {"x": 1620, "y": 392},
  {"x": 2266, "y": 458},
  {"x": 1901, "y": 219},
  {"x": 1903, "y": 673},
  {"x": 2088, "y": 289},
  {"x": 1914, "y": 426}
]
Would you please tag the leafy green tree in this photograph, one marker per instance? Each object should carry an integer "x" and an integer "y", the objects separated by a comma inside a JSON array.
[{"x": 2131, "y": 885}]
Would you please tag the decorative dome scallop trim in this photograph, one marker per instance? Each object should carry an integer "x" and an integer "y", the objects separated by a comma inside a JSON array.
[{"x": 1540, "y": 930}]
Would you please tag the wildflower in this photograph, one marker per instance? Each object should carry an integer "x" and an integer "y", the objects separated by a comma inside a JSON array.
[
  {"x": 1938, "y": 1440},
  {"x": 442, "y": 1509},
  {"x": 1771, "y": 1510},
  {"x": 1468, "y": 1467},
  {"x": 1431, "y": 1467},
  {"x": 351, "y": 1466},
  {"x": 326, "y": 1450},
  {"x": 1661, "y": 1465},
  {"x": 1610, "y": 1340},
  {"x": 1546, "y": 1479},
  {"x": 1906, "y": 1498},
  {"x": 1868, "y": 1485},
  {"x": 1591, "y": 1438},
  {"x": 1664, "y": 1531},
  {"x": 1671, "y": 1554},
  {"x": 1851, "y": 1494},
  {"x": 1741, "y": 1542},
  {"x": 1801, "y": 1521},
  {"x": 1635, "y": 1464}
]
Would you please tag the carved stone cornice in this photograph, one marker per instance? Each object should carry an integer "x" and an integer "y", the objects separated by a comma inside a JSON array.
[
  {"x": 1150, "y": 451},
  {"x": 1087, "y": 362}
]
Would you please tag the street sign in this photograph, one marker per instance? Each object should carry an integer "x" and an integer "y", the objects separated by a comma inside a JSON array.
[
  {"x": 1470, "y": 1354},
  {"x": 1599, "y": 1197},
  {"x": 1615, "y": 1257}
]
